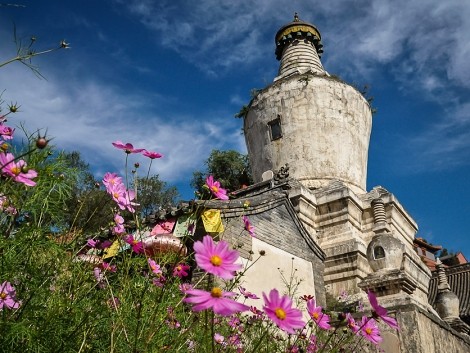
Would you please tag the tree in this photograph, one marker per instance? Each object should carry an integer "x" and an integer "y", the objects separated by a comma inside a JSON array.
[
  {"x": 153, "y": 194},
  {"x": 231, "y": 168}
]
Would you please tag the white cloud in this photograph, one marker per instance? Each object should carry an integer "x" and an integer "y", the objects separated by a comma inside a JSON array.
[{"x": 87, "y": 115}]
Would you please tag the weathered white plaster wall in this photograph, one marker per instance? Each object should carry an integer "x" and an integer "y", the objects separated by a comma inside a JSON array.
[
  {"x": 265, "y": 274},
  {"x": 325, "y": 125}
]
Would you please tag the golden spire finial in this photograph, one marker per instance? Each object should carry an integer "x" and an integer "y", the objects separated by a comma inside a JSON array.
[{"x": 296, "y": 17}]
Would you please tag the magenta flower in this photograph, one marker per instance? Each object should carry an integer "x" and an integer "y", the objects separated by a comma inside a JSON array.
[
  {"x": 380, "y": 311},
  {"x": 137, "y": 246},
  {"x": 280, "y": 311},
  {"x": 216, "y": 190},
  {"x": 181, "y": 270},
  {"x": 16, "y": 170},
  {"x": 216, "y": 299},
  {"x": 127, "y": 147},
  {"x": 152, "y": 155},
  {"x": 6, "y": 132},
  {"x": 216, "y": 258},
  {"x": 8, "y": 296},
  {"x": 108, "y": 267},
  {"x": 352, "y": 324},
  {"x": 106, "y": 244},
  {"x": 247, "y": 294},
  {"x": 320, "y": 318},
  {"x": 154, "y": 267},
  {"x": 370, "y": 331},
  {"x": 248, "y": 226}
]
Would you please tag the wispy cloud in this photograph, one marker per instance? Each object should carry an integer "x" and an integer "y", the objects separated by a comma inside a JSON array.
[{"x": 87, "y": 115}]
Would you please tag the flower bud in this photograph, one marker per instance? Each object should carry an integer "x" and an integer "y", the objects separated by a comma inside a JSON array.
[{"x": 41, "y": 142}]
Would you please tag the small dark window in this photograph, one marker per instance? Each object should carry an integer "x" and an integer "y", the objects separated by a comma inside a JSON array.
[
  {"x": 379, "y": 252},
  {"x": 275, "y": 128}
]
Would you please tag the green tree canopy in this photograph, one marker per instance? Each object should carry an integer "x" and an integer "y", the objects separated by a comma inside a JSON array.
[
  {"x": 153, "y": 194},
  {"x": 231, "y": 168}
]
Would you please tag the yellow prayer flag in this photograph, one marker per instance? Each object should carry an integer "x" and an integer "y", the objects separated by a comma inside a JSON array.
[
  {"x": 212, "y": 221},
  {"x": 113, "y": 250}
]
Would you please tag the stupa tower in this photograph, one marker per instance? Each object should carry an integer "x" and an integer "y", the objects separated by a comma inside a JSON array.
[{"x": 317, "y": 124}]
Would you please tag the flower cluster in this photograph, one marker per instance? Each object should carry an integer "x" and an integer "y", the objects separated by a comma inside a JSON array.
[
  {"x": 116, "y": 188},
  {"x": 11, "y": 166}
]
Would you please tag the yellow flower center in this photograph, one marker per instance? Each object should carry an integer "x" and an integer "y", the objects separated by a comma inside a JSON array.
[
  {"x": 368, "y": 330},
  {"x": 3, "y": 295},
  {"x": 16, "y": 170},
  {"x": 216, "y": 292},
  {"x": 116, "y": 195},
  {"x": 315, "y": 315},
  {"x": 178, "y": 268},
  {"x": 280, "y": 313},
  {"x": 214, "y": 188},
  {"x": 135, "y": 242},
  {"x": 216, "y": 260}
]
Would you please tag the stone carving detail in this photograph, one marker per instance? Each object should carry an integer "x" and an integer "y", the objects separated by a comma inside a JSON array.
[{"x": 282, "y": 174}]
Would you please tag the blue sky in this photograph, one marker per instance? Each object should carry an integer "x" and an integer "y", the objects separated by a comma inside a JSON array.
[{"x": 169, "y": 76}]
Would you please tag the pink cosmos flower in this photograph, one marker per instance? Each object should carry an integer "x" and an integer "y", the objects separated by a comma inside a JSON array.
[
  {"x": 280, "y": 311},
  {"x": 119, "y": 227},
  {"x": 114, "y": 303},
  {"x": 312, "y": 346},
  {"x": 127, "y": 147},
  {"x": 6, "y": 132},
  {"x": 122, "y": 197},
  {"x": 216, "y": 299},
  {"x": 98, "y": 244},
  {"x": 154, "y": 267},
  {"x": 218, "y": 338},
  {"x": 181, "y": 270},
  {"x": 99, "y": 277},
  {"x": 352, "y": 324},
  {"x": 152, "y": 155},
  {"x": 8, "y": 296},
  {"x": 6, "y": 207},
  {"x": 184, "y": 287},
  {"x": 247, "y": 294},
  {"x": 16, "y": 170},
  {"x": 216, "y": 190},
  {"x": 248, "y": 226},
  {"x": 137, "y": 246},
  {"x": 216, "y": 258},
  {"x": 111, "y": 179},
  {"x": 370, "y": 331},
  {"x": 320, "y": 318},
  {"x": 92, "y": 243},
  {"x": 159, "y": 281},
  {"x": 380, "y": 311}
]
